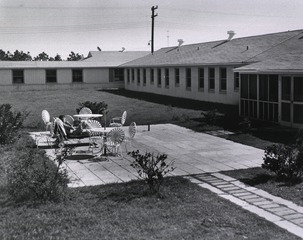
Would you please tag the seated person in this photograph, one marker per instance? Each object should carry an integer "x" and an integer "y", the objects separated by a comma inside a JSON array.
[{"x": 78, "y": 129}]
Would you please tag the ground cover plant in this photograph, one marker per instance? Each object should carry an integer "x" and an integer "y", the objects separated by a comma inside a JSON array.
[{"x": 125, "y": 211}]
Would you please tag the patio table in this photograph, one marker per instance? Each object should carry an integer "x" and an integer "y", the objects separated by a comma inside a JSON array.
[{"x": 88, "y": 115}]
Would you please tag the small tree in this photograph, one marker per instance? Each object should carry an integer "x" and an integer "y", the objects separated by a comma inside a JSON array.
[
  {"x": 97, "y": 108},
  {"x": 151, "y": 168},
  {"x": 10, "y": 123},
  {"x": 74, "y": 56}
]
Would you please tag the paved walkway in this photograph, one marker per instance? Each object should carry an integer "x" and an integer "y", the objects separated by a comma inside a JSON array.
[{"x": 196, "y": 156}]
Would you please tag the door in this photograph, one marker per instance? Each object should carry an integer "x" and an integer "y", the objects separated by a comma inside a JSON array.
[{"x": 292, "y": 100}]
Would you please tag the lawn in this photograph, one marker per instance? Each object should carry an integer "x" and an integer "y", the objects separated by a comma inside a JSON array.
[
  {"x": 66, "y": 102},
  {"x": 123, "y": 211}
]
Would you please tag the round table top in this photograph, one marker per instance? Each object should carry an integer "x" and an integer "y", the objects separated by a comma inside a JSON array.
[
  {"x": 88, "y": 115},
  {"x": 101, "y": 129}
]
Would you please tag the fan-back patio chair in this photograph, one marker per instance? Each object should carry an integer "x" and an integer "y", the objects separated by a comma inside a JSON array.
[
  {"x": 118, "y": 121},
  {"x": 94, "y": 135},
  {"x": 46, "y": 120},
  {"x": 114, "y": 139},
  {"x": 132, "y": 129}
]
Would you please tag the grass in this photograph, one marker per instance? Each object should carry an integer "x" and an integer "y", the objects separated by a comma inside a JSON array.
[
  {"x": 125, "y": 211},
  {"x": 66, "y": 102}
]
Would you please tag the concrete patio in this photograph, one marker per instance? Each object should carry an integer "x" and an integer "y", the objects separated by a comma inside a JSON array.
[{"x": 191, "y": 152}]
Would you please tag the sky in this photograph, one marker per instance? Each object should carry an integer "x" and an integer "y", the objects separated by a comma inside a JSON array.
[{"x": 62, "y": 26}]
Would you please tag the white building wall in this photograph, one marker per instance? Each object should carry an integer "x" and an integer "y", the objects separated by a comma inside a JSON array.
[
  {"x": 64, "y": 76},
  {"x": 35, "y": 79},
  {"x": 34, "y": 76},
  {"x": 6, "y": 77},
  {"x": 96, "y": 75},
  {"x": 230, "y": 96}
]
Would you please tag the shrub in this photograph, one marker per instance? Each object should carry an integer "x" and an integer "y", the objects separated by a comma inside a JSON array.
[
  {"x": 210, "y": 117},
  {"x": 32, "y": 176},
  {"x": 286, "y": 161},
  {"x": 151, "y": 168},
  {"x": 10, "y": 123},
  {"x": 97, "y": 108}
]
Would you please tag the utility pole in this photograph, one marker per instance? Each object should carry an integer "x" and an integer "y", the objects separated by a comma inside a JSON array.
[{"x": 152, "y": 30}]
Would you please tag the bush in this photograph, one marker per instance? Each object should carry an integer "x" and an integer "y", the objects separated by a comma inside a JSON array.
[
  {"x": 32, "y": 176},
  {"x": 10, "y": 123},
  {"x": 286, "y": 161},
  {"x": 97, "y": 108},
  {"x": 210, "y": 117},
  {"x": 151, "y": 168}
]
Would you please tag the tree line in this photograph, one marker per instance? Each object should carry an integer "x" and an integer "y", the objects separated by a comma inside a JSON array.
[{"x": 23, "y": 56}]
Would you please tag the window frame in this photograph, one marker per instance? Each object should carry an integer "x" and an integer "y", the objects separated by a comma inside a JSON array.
[
  {"x": 50, "y": 75},
  {"x": 177, "y": 77},
  {"x": 201, "y": 78},
  {"x": 188, "y": 79},
  {"x": 138, "y": 76},
  {"x": 20, "y": 77},
  {"x": 144, "y": 76},
  {"x": 166, "y": 78},
  {"x": 211, "y": 79},
  {"x": 223, "y": 79},
  {"x": 159, "y": 82},
  {"x": 74, "y": 77},
  {"x": 236, "y": 81}
]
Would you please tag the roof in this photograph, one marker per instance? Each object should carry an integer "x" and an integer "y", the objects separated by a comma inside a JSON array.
[
  {"x": 284, "y": 57},
  {"x": 46, "y": 64},
  {"x": 113, "y": 58},
  {"x": 95, "y": 59},
  {"x": 237, "y": 51}
]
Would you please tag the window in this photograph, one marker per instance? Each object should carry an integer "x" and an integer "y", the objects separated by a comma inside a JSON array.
[
  {"x": 298, "y": 89},
  {"x": 118, "y": 74},
  {"x": 244, "y": 86},
  {"x": 128, "y": 75},
  {"x": 166, "y": 77},
  {"x": 18, "y": 76},
  {"x": 152, "y": 76},
  {"x": 268, "y": 88},
  {"x": 77, "y": 75},
  {"x": 144, "y": 76},
  {"x": 201, "y": 79},
  {"x": 138, "y": 76},
  {"x": 211, "y": 79},
  {"x": 236, "y": 81},
  {"x": 249, "y": 86},
  {"x": 159, "y": 77},
  {"x": 223, "y": 76},
  {"x": 177, "y": 77},
  {"x": 51, "y": 76},
  {"x": 286, "y": 83},
  {"x": 188, "y": 78},
  {"x": 133, "y": 75}
]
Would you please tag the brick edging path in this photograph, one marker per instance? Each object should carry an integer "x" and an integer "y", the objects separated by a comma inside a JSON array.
[{"x": 281, "y": 212}]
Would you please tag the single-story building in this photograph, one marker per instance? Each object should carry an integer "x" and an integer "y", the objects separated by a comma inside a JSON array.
[
  {"x": 262, "y": 74},
  {"x": 98, "y": 70}
]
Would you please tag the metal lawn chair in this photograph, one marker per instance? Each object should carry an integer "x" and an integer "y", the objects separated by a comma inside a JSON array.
[
  {"x": 118, "y": 121},
  {"x": 114, "y": 139},
  {"x": 132, "y": 129}
]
